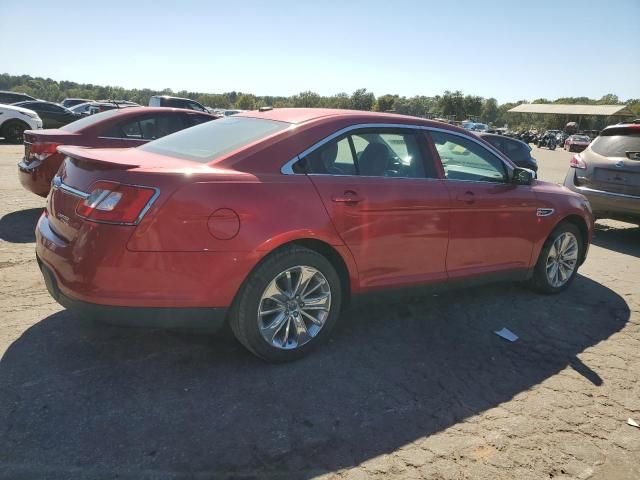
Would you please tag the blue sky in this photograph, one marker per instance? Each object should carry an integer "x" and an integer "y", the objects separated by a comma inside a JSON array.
[{"x": 509, "y": 50}]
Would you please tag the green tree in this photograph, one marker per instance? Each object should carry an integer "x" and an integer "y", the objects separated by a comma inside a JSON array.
[
  {"x": 385, "y": 103},
  {"x": 340, "y": 100},
  {"x": 362, "y": 100},
  {"x": 489, "y": 110},
  {"x": 246, "y": 102},
  {"x": 306, "y": 99}
]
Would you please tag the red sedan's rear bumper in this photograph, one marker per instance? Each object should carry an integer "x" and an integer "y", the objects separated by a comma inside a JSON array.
[
  {"x": 99, "y": 270},
  {"x": 36, "y": 176}
]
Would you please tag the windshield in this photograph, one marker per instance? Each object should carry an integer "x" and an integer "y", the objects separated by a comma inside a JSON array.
[
  {"x": 616, "y": 145},
  {"x": 85, "y": 122},
  {"x": 204, "y": 143}
]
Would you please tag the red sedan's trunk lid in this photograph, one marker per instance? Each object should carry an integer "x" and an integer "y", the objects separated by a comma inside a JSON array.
[{"x": 83, "y": 167}]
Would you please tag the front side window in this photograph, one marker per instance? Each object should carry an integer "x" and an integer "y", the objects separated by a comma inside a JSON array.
[
  {"x": 464, "y": 159},
  {"x": 370, "y": 153}
]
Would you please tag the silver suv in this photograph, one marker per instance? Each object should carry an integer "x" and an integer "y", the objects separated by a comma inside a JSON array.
[{"x": 607, "y": 172}]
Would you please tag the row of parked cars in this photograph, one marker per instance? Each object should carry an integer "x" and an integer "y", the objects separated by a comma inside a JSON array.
[
  {"x": 21, "y": 112},
  {"x": 272, "y": 221}
]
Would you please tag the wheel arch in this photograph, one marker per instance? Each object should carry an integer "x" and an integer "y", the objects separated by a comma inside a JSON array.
[
  {"x": 581, "y": 224},
  {"x": 347, "y": 273},
  {"x": 338, "y": 255}
]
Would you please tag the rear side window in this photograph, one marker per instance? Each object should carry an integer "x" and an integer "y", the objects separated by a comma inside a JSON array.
[
  {"x": 616, "y": 145},
  {"x": 370, "y": 153},
  {"x": 147, "y": 128},
  {"x": 208, "y": 141},
  {"x": 516, "y": 151},
  {"x": 197, "y": 119},
  {"x": 89, "y": 121}
]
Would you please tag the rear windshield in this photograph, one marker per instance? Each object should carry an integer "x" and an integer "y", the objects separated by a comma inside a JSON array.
[
  {"x": 204, "y": 143},
  {"x": 581, "y": 138},
  {"x": 86, "y": 122},
  {"x": 616, "y": 145}
]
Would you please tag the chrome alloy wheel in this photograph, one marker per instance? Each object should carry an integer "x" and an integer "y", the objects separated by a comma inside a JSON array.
[
  {"x": 294, "y": 307},
  {"x": 562, "y": 259}
]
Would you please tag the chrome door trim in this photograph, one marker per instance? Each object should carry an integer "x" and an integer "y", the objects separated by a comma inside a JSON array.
[{"x": 287, "y": 168}]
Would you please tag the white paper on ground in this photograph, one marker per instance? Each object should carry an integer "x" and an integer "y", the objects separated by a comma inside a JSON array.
[
  {"x": 507, "y": 334},
  {"x": 632, "y": 422}
]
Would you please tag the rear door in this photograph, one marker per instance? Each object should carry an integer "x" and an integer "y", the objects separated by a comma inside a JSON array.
[
  {"x": 381, "y": 192},
  {"x": 493, "y": 222}
]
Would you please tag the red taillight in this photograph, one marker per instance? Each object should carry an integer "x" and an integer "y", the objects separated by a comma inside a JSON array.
[
  {"x": 40, "y": 151},
  {"x": 113, "y": 202},
  {"x": 577, "y": 162}
]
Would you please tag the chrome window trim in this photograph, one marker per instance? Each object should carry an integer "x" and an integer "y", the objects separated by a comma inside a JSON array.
[
  {"x": 287, "y": 168},
  {"x": 59, "y": 184}
]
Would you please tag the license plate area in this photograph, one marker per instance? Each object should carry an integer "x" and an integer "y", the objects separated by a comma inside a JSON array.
[{"x": 617, "y": 177}]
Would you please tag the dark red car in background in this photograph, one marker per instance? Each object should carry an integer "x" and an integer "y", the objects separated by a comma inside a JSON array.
[
  {"x": 120, "y": 128},
  {"x": 577, "y": 143},
  {"x": 274, "y": 220}
]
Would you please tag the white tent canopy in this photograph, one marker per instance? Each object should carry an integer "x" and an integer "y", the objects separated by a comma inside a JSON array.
[{"x": 564, "y": 109}]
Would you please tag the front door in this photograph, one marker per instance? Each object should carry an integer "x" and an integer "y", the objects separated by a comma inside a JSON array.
[
  {"x": 493, "y": 221},
  {"x": 379, "y": 188}
]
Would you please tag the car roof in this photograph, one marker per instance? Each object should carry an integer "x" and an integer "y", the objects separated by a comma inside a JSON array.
[
  {"x": 175, "y": 98},
  {"x": 303, "y": 115},
  {"x": 141, "y": 110}
]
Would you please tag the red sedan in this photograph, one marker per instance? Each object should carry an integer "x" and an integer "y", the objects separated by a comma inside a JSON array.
[
  {"x": 275, "y": 220},
  {"x": 577, "y": 143},
  {"x": 117, "y": 128}
]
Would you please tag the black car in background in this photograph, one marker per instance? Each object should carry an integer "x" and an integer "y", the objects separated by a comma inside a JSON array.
[
  {"x": 176, "y": 102},
  {"x": 518, "y": 151},
  {"x": 72, "y": 102},
  {"x": 13, "y": 97},
  {"x": 52, "y": 114}
]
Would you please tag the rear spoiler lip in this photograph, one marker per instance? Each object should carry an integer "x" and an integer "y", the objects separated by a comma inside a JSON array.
[{"x": 84, "y": 153}]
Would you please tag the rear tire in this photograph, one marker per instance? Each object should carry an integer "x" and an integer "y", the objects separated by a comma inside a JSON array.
[
  {"x": 559, "y": 260},
  {"x": 13, "y": 131},
  {"x": 269, "y": 315}
]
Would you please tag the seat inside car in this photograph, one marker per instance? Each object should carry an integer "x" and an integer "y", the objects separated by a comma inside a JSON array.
[{"x": 374, "y": 160}]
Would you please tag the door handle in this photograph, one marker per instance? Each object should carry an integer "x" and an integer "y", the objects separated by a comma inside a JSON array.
[
  {"x": 467, "y": 197},
  {"x": 348, "y": 198}
]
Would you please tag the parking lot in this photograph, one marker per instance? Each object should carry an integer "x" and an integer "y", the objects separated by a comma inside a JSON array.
[{"x": 422, "y": 389}]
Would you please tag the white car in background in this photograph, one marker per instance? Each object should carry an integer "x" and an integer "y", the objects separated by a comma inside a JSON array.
[{"x": 15, "y": 120}]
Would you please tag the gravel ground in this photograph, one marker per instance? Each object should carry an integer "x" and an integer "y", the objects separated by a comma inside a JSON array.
[{"x": 422, "y": 389}]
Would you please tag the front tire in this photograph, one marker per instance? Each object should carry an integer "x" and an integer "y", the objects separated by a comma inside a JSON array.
[
  {"x": 288, "y": 305},
  {"x": 559, "y": 260}
]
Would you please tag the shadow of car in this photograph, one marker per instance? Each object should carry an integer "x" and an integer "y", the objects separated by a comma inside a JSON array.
[
  {"x": 99, "y": 399},
  {"x": 19, "y": 226}
]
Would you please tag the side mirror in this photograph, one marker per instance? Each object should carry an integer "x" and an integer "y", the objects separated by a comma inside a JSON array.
[{"x": 523, "y": 176}]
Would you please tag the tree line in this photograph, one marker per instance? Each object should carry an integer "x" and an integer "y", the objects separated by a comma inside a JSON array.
[{"x": 451, "y": 105}]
